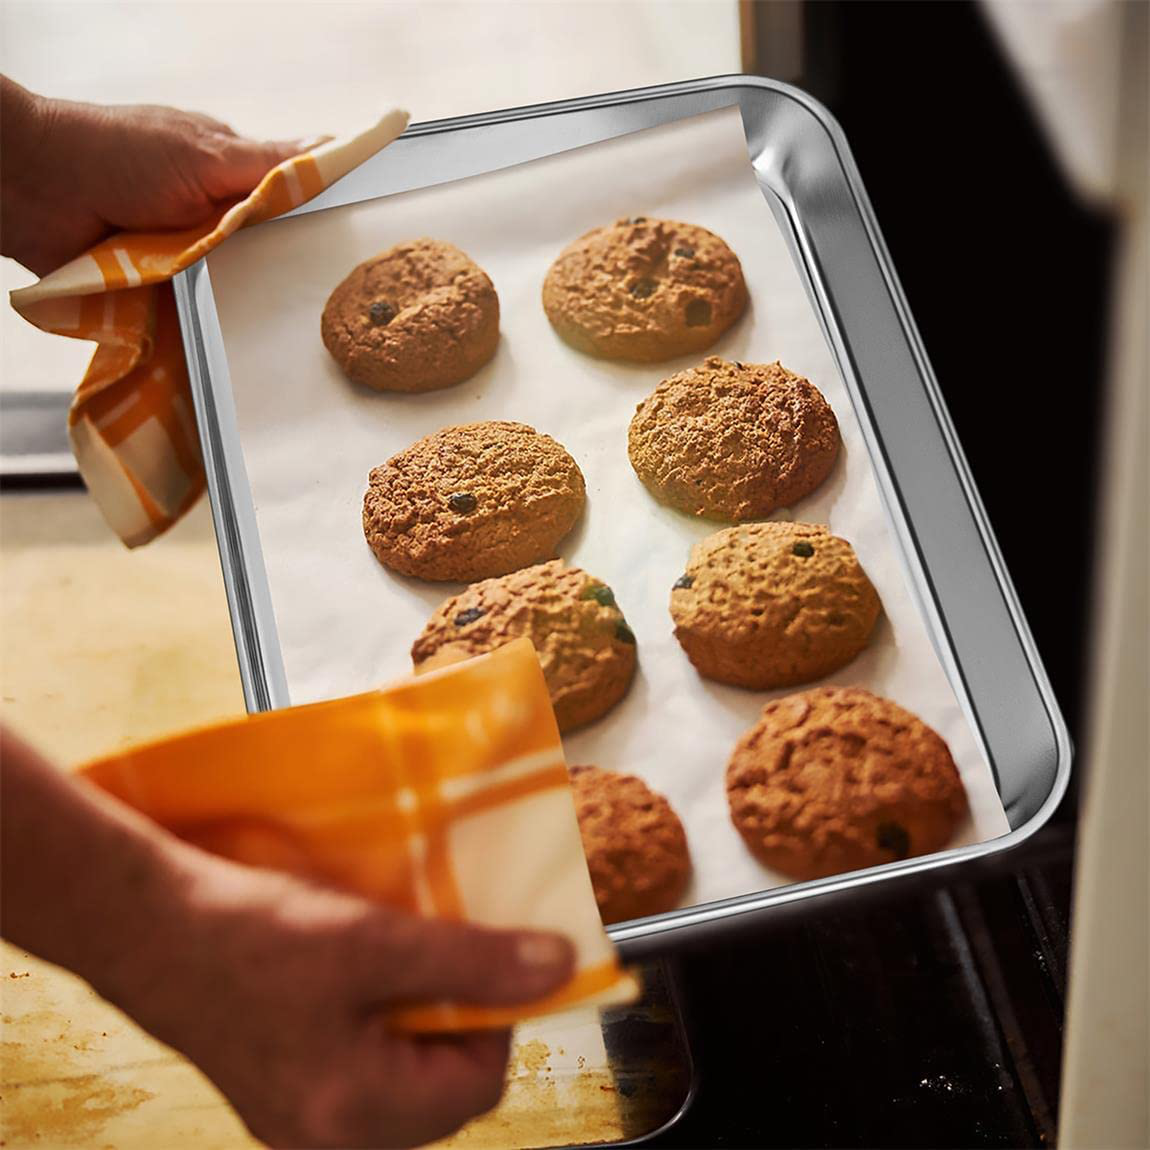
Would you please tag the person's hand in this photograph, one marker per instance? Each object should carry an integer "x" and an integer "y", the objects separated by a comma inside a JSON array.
[
  {"x": 278, "y": 990},
  {"x": 74, "y": 173}
]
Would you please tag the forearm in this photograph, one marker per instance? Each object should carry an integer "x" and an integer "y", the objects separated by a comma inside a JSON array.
[{"x": 85, "y": 882}]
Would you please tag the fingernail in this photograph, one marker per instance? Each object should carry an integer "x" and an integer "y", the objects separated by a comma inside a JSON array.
[{"x": 541, "y": 950}]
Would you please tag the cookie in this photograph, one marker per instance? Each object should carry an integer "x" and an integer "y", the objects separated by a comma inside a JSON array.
[
  {"x": 634, "y": 842},
  {"x": 767, "y": 605},
  {"x": 417, "y": 317},
  {"x": 835, "y": 779},
  {"x": 584, "y": 644},
  {"x": 733, "y": 441},
  {"x": 644, "y": 290},
  {"x": 471, "y": 502}
]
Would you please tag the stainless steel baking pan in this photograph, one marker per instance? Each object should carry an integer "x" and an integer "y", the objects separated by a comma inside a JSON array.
[{"x": 806, "y": 173}]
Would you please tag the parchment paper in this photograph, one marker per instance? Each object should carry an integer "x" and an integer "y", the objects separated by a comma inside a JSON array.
[{"x": 310, "y": 437}]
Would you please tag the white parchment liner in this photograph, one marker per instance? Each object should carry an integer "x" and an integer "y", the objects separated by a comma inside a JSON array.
[{"x": 309, "y": 439}]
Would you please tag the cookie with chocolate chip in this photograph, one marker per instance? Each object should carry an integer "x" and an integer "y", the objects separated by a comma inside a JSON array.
[
  {"x": 733, "y": 441},
  {"x": 644, "y": 290},
  {"x": 471, "y": 502},
  {"x": 586, "y": 649},
  {"x": 417, "y": 317},
  {"x": 635, "y": 845},
  {"x": 767, "y": 605},
  {"x": 836, "y": 779}
]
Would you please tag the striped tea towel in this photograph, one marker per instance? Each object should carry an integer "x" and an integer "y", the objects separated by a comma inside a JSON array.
[
  {"x": 444, "y": 795},
  {"x": 131, "y": 423}
]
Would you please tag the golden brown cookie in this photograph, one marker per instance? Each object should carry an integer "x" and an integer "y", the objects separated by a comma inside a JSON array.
[
  {"x": 644, "y": 290},
  {"x": 471, "y": 502},
  {"x": 584, "y": 644},
  {"x": 634, "y": 842},
  {"x": 417, "y": 317},
  {"x": 836, "y": 779},
  {"x": 733, "y": 441},
  {"x": 767, "y": 605}
]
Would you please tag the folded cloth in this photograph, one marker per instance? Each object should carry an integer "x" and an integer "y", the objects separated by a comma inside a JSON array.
[
  {"x": 444, "y": 795},
  {"x": 132, "y": 425}
]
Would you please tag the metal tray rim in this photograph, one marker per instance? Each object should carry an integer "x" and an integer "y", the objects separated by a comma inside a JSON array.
[{"x": 251, "y": 609}]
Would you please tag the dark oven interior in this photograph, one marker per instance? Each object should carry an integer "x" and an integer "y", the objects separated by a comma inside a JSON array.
[{"x": 933, "y": 1016}]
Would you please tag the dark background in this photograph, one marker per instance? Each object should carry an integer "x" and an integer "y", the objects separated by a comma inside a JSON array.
[{"x": 932, "y": 1017}]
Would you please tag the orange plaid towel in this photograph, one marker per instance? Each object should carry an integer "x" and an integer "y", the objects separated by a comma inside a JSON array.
[
  {"x": 132, "y": 424},
  {"x": 445, "y": 795}
]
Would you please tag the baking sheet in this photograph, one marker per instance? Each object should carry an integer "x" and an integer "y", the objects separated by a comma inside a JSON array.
[{"x": 310, "y": 437}]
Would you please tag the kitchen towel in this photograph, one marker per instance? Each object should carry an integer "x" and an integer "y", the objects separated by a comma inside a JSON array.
[
  {"x": 445, "y": 795},
  {"x": 131, "y": 423}
]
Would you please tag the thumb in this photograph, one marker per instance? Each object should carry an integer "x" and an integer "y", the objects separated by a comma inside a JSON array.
[
  {"x": 408, "y": 958},
  {"x": 239, "y": 165}
]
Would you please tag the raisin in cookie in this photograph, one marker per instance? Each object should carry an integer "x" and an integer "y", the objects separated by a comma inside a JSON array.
[
  {"x": 644, "y": 290},
  {"x": 836, "y": 779},
  {"x": 584, "y": 644},
  {"x": 634, "y": 842},
  {"x": 417, "y": 317},
  {"x": 472, "y": 501},
  {"x": 767, "y": 605},
  {"x": 733, "y": 441}
]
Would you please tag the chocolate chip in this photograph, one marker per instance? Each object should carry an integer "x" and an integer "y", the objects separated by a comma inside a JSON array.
[
  {"x": 469, "y": 616},
  {"x": 740, "y": 366},
  {"x": 624, "y": 633},
  {"x": 683, "y": 582},
  {"x": 698, "y": 313},
  {"x": 803, "y": 549},
  {"x": 601, "y": 593},
  {"x": 685, "y": 253},
  {"x": 894, "y": 838},
  {"x": 381, "y": 312},
  {"x": 463, "y": 502},
  {"x": 641, "y": 289}
]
